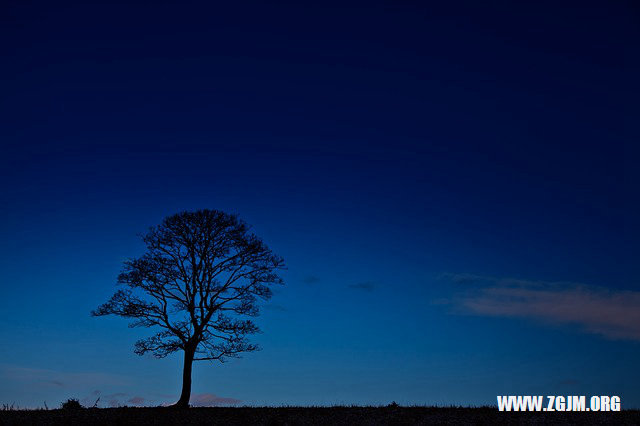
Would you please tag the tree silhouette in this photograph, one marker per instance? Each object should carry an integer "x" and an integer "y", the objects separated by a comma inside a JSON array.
[{"x": 203, "y": 272}]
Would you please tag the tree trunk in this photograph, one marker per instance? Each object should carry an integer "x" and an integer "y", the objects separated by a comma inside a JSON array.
[{"x": 183, "y": 402}]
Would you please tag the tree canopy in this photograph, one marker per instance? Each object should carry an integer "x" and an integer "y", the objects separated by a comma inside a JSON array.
[{"x": 198, "y": 284}]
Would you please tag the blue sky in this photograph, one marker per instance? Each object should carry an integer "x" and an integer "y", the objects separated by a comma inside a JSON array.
[{"x": 453, "y": 188}]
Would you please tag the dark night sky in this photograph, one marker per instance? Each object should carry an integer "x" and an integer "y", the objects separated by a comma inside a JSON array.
[{"x": 454, "y": 187}]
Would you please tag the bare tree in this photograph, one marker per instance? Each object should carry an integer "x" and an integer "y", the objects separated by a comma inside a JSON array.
[{"x": 203, "y": 272}]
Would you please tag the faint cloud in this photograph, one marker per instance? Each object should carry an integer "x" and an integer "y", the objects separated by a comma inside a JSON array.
[
  {"x": 90, "y": 401},
  {"x": 166, "y": 395},
  {"x": 273, "y": 307},
  {"x": 136, "y": 400},
  {"x": 461, "y": 278},
  {"x": 367, "y": 286},
  {"x": 311, "y": 279},
  {"x": 116, "y": 395},
  {"x": 60, "y": 378},
  {"x": 613, "y": 314},
  {"x": 116, "y": 399},
  {"x": 53, "y": 382},
  {"x": 211, "y": 400}
]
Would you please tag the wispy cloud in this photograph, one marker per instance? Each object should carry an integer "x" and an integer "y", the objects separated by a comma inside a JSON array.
[
  {"x": 116, "y": 399},
  {"x": 274, "y": 307},
  {"x": 91, "y": 400},
  {"x": 123, "y": 399},
  {"x": 59, "y": 378},
  {"x": 53, "y": 382},
  {"x": 136, "y": 400},
  {"x": 211, "y": 400},
  {"x": 116, "y": 395},
  {"x": 367, "y": 286},
  {"x": 311, "y": 279},
  {"x": 614, "y": 314},
  {"x": 462, "y": 278}
]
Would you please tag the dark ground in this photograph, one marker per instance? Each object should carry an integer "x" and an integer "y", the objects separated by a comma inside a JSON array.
[{"x": 309, "y": 416}]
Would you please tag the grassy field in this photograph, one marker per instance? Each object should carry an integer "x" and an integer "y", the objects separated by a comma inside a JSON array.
[{"x": 308, "y": 416}]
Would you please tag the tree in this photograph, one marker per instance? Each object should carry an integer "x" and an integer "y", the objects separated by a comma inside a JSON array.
[{"x": 201, "y": 276}]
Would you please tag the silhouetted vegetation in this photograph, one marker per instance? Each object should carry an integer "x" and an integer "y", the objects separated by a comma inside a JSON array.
[
  {"x": 351, "y": 416},
  {"x": 71, "y": 404}
]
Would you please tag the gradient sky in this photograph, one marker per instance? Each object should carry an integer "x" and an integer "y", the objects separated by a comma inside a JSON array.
[{"x": 454, "y": 189}]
